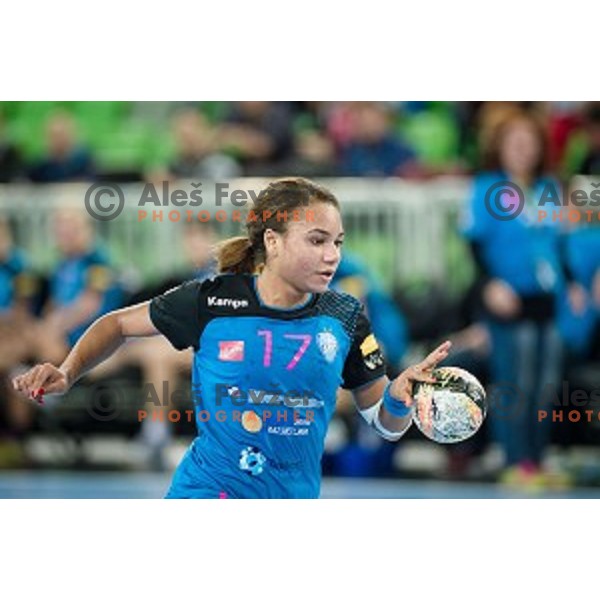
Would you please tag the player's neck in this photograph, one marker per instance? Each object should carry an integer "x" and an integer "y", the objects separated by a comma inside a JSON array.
[{"x": 273, "y": 291}]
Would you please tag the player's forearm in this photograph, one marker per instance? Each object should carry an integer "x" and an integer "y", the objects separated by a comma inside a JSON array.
[
  {"x": 392, "y": 423},
  {"x": 100, "y": 340},
  {"x": 372, "y": 406}
]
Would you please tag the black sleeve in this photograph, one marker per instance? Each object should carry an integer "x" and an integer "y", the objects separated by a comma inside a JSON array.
[
  {"x": 365, "y": 362},
  {"x": 176, "y": 315}
]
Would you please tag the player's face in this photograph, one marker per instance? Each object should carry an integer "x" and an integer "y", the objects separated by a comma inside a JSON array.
[{"x": 309, "y": 252}]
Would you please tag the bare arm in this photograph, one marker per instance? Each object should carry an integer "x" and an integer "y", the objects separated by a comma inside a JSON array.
[{"x": 102, "y": 338}]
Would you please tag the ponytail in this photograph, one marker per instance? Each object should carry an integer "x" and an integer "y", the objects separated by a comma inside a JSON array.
[{"x": 236, "y": 255}]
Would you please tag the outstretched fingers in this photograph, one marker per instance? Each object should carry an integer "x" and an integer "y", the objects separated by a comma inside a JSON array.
[{"x": 437, "y": 356}]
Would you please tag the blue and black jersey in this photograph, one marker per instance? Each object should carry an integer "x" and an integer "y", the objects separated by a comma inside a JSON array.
[{"x": 264, "y": 381}]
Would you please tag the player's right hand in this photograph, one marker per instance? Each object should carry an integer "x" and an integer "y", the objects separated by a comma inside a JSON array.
[{"x": 39, "y": 380}]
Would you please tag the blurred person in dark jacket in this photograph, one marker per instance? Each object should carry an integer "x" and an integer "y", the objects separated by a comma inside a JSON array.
[
  {"x": 259, "y": 135},
  {"x": 66, "y": 159},
  {"x": 196, "y": 154},
  {"x": 373, "y": 149}
]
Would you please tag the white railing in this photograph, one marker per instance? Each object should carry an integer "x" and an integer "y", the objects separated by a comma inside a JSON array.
[{"x": 405, "y": 231}]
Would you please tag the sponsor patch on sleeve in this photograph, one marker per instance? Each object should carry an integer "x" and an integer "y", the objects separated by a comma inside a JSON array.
[
  {"x": 372, "y": 356},
  {"x": 369, "y": 345}
]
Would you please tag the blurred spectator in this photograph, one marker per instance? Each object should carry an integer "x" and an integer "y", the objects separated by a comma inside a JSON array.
[
  {"x": 581, "y": 331},
  {"x": 373, "y": 150},
  {"x": 11, "y": 164},
  {"x": 580, "y": 327},
  {"x": 582, "y": 155},
  {"x": 83, "y": 286},
  {"x": 18, "y": 286},
  {"x": 158, "y": 360},
  {"x": 564, "y": 119},
  {"x": 489, "y": 118},
  {"x": 259, "y": 135},
  {"x": 195, "y": 156},
  {"x": 314, "y": 151},
  {"x": 521, "y": 274},
  {"x": 17, "y": 282},
  {"x": 65, "y": 159}
]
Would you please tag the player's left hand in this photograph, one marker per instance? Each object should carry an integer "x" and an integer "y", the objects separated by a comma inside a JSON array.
[{"x": 402, "y": 386}]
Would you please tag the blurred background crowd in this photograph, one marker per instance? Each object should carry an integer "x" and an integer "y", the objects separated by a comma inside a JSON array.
[
  {"x": 527, "y": 314},
  {"x": 46, "y": 142}
]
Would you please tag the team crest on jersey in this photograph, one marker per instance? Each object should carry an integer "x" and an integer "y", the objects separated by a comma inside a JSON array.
[{"x": 328, "y": 345}]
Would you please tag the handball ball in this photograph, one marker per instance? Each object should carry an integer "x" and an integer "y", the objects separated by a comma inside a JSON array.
[{"x": 451, "y": 410}]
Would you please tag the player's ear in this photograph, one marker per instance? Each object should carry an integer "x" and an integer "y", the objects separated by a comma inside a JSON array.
[{"x": 271, "y": 239}]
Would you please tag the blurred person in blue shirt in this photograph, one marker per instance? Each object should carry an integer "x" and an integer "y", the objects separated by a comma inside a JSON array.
[
  {"x": 82, "y": 287},
  {"x": 581, "y": 329},
  {"x": 65, "y": 159},
  {"x": 522, "y": 271},
  {"x": 374, "y": 150}
]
